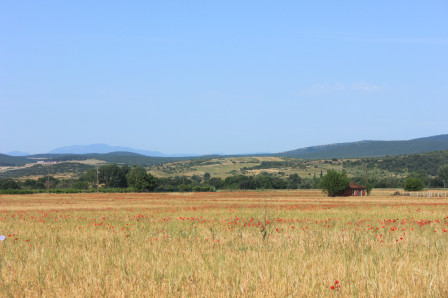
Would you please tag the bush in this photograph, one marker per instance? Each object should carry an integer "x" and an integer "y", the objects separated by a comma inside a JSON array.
[
  {"x": 413, "y": 184},
  {"x": 199, "y": 188},
  {"x": 184, "y": 187},
  {"x": 17, "y": 191}
]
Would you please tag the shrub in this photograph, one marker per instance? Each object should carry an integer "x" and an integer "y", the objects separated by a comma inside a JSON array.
[{"x": 413, "y": 184}]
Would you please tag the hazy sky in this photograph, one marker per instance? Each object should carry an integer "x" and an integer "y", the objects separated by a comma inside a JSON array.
[{"x": 220, "y": 76}]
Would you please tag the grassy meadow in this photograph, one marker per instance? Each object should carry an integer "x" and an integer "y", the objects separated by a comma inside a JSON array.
[{"x": 270, "y": 243}]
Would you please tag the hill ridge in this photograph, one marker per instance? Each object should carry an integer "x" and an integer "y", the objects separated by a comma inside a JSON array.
[
  {"x": 364, "y": 148},
  {"x": 370, "y": 148}
]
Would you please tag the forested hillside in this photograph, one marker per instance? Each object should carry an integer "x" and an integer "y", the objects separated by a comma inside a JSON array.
[
  {"x": 427, "y": 163},
  {"x": 371, "y": 148},
  {"x": 125, "y": 158},
  {"x": 9, "y": 161},
  {"x": 69, "y": 168}
]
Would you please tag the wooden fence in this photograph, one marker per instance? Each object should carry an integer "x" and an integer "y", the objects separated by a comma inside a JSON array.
[{"x": 426, "y": 194}]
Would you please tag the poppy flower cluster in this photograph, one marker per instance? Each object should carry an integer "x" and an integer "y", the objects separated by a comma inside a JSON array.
[{"x": 336, "y": 286}]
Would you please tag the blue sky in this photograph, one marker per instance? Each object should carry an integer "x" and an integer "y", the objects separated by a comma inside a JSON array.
[{"x": 220, "y": 77}]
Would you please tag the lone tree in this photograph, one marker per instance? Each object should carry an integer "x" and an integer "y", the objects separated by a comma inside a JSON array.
[
  {"x": 334, "y": 183},
  {"x": 206, "y": 177},
  {"x": 413, "y": 184},
  {"x": 294, "y": 181}
]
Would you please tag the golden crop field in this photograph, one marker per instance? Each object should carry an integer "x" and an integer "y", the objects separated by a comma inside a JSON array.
[{"x": 271, "y": 243}]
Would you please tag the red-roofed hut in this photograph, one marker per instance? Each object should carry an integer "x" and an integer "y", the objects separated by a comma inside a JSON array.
[{"x": 354, "y": 189}]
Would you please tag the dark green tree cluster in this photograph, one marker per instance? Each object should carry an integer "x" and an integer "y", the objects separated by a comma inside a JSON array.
[
  {"x": 235, "y": 182},
  {"x": 8, "y": 184},
  {"x": 112, "y": 176},
  {"x": 43, "y": 183},
  {"x": 193, "y": 183},
  {"x": 136, "y": 179},
  {"x": 139, "y": 181},
  {"x": 262, "y": 181}
]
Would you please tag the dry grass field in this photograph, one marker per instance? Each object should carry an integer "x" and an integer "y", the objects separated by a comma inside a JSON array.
[{"x": 272, "y": 243}]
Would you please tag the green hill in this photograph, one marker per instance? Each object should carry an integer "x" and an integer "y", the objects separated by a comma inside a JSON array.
[
  {"x": 122, "y": 158},
  {"x": 10, "y": 161},
  {"x": 379, "y": 167},
  {"x": 427, "y": 163},
  {"x": 370, "y": 148},
  {"x": 66, "y": 168}
]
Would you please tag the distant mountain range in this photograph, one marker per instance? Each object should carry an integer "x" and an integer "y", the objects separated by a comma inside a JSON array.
[
  {"x": 338, "y": 150},
  {"x": 17, "y": 153},
  {"x": 125, "y": 155},
  {"x": 370, "y": 148},
  {"x": 103, "y": 148}
]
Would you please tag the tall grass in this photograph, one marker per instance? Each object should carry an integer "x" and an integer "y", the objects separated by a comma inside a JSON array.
[{"x": 284, "y": 243}]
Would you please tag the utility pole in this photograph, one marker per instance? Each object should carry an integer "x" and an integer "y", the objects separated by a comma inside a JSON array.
[
  {"x": 48, "y": 178},
  {"x": 97, "y": 179},
  {"x": 183, "y": 173},
  {"x": 367, "y": 176}
]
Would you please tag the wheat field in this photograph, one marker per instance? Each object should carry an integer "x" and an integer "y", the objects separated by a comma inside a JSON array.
[{"x": 255, "y": 244}]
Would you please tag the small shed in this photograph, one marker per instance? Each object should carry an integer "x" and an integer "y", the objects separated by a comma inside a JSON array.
[{"x": 355, "y": 190}]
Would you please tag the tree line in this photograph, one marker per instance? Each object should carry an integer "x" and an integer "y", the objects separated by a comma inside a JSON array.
[{"x": 137, "y": 179}]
